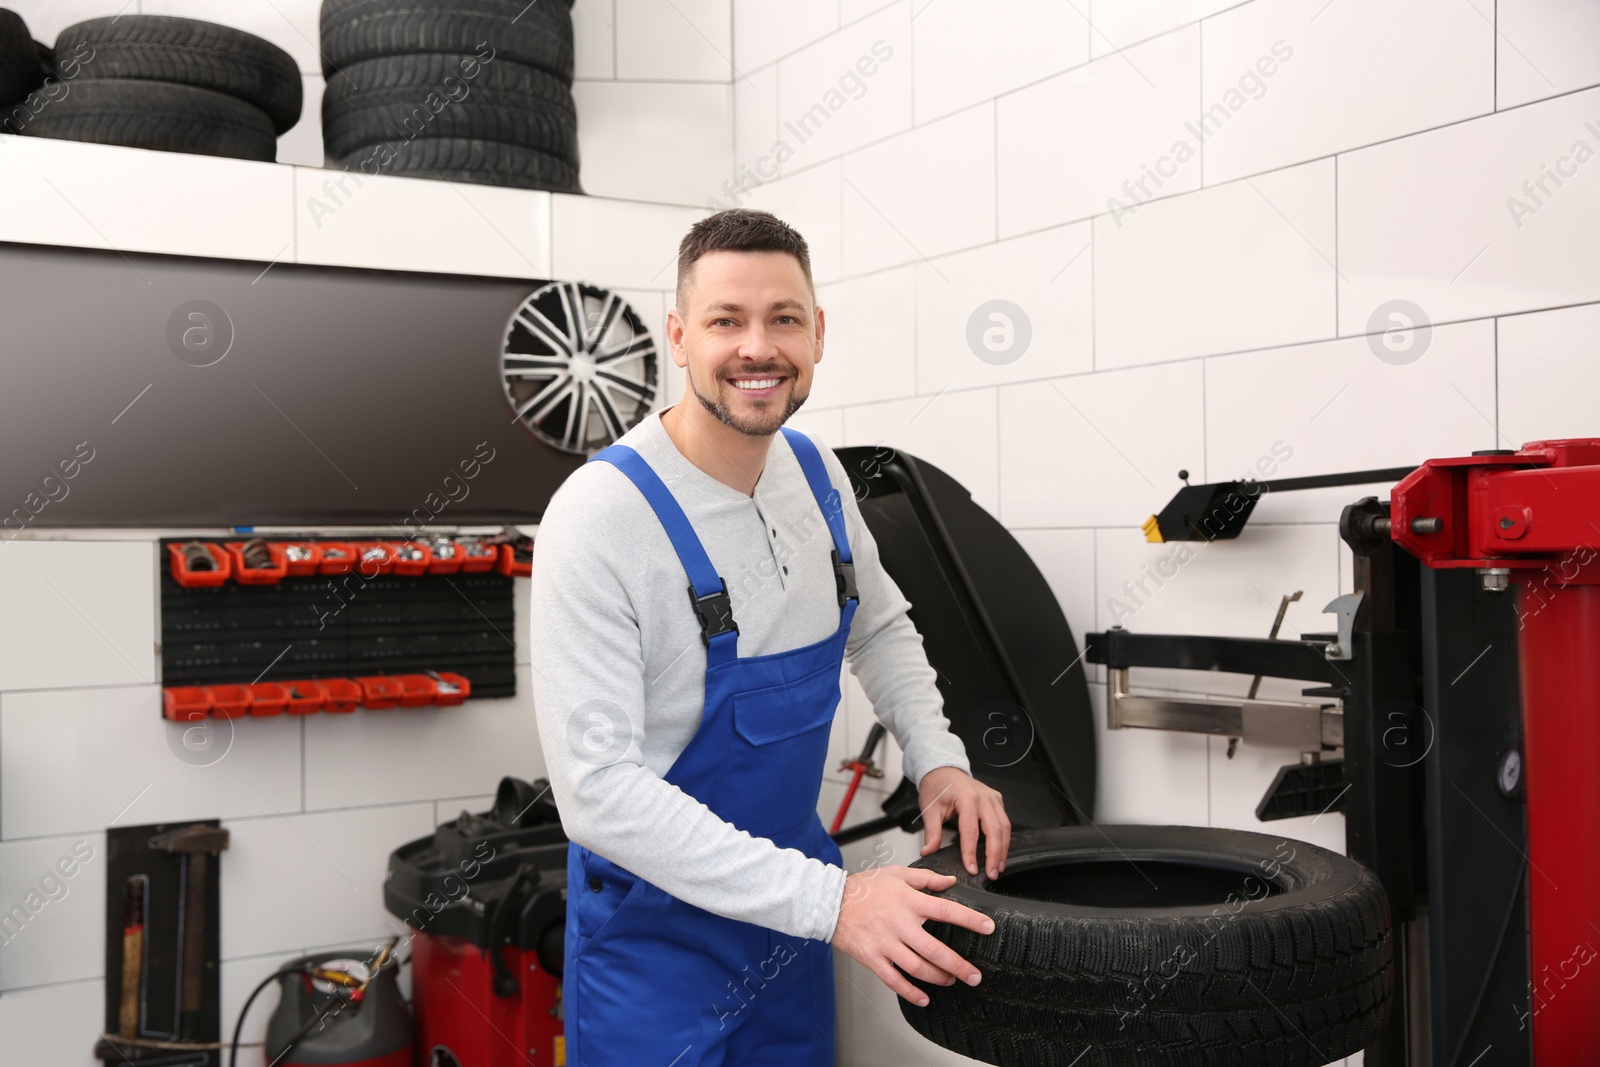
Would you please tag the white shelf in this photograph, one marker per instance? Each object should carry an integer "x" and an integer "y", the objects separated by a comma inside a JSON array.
[{"x": 136, "y": 200}]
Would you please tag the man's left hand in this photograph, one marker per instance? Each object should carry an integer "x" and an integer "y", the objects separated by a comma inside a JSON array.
[{"x": 946, "y": 791}]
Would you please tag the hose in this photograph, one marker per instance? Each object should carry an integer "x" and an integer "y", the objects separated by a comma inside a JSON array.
[{"x": 238, "y": 1027}]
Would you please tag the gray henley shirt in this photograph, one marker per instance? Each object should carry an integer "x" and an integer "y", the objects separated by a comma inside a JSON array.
[{"x": 619, "y": 668}]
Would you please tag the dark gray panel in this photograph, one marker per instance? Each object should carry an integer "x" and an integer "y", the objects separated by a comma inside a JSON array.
[{"x": 345, "y": 396}]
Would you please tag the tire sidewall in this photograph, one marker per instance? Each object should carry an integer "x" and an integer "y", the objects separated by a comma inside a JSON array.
[{"x": 1312, "y": 873}]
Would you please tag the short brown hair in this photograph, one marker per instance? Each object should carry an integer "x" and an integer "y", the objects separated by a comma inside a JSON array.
[{"x": 740, "y": 230}]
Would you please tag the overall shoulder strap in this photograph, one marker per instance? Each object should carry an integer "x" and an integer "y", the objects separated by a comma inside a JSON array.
[
  {"x": 828, "y": 499},
  {"x": 708, "y": 593}
]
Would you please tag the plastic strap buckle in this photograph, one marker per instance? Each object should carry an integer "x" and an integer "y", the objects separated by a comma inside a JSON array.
[
  {"x": 715, "y": 612},
  {"x": 844, "y": 576}
]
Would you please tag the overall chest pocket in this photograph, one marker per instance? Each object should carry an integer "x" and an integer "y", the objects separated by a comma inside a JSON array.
[{"x": 777, "y": 713}]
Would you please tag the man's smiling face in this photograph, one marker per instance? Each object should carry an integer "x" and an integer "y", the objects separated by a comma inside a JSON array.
[{"x": 751, "y": 335}]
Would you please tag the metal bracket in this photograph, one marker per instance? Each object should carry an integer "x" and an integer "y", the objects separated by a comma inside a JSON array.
[
  {"x": 1344, "y": 608},
  {"x": 1284, "y": 724}
]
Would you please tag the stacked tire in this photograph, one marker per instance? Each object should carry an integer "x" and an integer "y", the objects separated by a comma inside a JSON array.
[
  {"x": 24, "y": 64},
  {"x": 169, "y": 84},
  {"x": 466, "y": 90}
]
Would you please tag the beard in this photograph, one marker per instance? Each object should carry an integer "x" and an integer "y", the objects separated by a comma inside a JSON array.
[{"x": 764, "y": 423}]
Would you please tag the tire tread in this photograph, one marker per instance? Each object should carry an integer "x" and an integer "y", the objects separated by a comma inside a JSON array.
[
  {"x": 156, "y": 115},
  {"x": 190, "y": 52}
]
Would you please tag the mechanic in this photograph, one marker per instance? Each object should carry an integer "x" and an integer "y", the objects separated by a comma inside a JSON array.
[{"x": 685, "y": 719}]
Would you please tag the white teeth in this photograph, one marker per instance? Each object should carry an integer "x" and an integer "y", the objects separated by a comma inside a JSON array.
[{"x": 762, "y": 383}]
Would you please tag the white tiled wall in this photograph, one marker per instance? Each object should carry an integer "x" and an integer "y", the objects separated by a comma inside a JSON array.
[
  {"x": 997, "y": 46},
  {"x": 1432, "y": 63},
  {"x": 827, "y": 104},
  {"x": 90, "y": 617},
  {"x": 911, "y": 196},
  {"x": 1430, "y": 155},
  {"x": 1243, "y": 265},
  {"x": 1545, "y": 49},
  {"x": 1486, "y": 217},
  {"x": 1068, "y": 145}
]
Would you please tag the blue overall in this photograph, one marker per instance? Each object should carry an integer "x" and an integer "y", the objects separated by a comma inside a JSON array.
[{"x": 652, "y": 981}]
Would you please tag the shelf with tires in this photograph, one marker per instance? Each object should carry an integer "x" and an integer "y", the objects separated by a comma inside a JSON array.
[{"x": 478, "y": 93}]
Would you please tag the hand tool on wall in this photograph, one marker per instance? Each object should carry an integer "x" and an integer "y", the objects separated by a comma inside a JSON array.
[
  {"x": 132, "y": 958},
  {"x": 197, "y": 845}
]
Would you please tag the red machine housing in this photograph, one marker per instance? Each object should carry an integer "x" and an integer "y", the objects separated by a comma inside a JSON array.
[
  {"x": 458, "y": 1013},
  {"x": 1530, "y": 520},
  {"x": 485, "y": 896}
]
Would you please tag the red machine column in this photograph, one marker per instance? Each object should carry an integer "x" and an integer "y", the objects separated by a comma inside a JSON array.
[{"x": 1529, "y": 521}]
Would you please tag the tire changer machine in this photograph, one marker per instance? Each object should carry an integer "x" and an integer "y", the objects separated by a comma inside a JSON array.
[{"x": 1467, "y": 664}]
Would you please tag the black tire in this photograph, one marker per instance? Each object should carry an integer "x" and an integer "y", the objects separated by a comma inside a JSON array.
[
  {"x": 167, "y": 118},
  {"x": 460, "y": 159},
  {"x": 429, "y": 95},
  {"x": 1089, "y": 965},
  {"x": 190, "y": 52},
  {"x": 21, "y": 69},
  {"x": 537, "y": 35}
]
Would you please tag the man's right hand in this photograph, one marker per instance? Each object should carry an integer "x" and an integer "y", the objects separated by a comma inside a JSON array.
[{"x": 880, "y": 925}]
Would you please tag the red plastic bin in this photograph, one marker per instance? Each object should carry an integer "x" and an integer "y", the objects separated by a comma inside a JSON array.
[
  {"x": 371, "y": 568},
  {"x": 412, "y": 557},
  {"x": 477, "y": 557},
  {"x": 343, "y": 695},
  {"x": 335, "y": 557},
  {"x": 379, "y": 691},
  {"x": 446, "y": 564},
  {"x": 416, "y": 690},
  {"x": 510, "y": 565},
  {"x": 185, "y": 703},
  {"x": 230, "y": 701},
  {"x": 305, "y": 698},
  {"x": 268, "y": 698},
  {"x": 200, "y": 579},
  {"x": 442, "y": 679},
  {"x": 258, "y": 575},
  {"x": 312, "y": 553}
]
